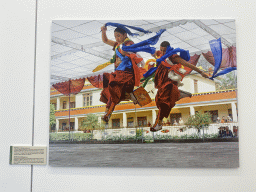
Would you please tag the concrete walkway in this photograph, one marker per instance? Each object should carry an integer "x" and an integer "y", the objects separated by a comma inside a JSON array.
[{"x": 175, "y": 155}]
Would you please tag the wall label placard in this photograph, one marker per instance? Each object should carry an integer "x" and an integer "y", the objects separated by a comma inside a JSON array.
[{"x": 28, "y": 155}]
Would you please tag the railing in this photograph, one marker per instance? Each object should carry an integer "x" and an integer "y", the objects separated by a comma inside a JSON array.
[
  {"x": 217, "y": 130},
  {"x": 214, "y": 130}
]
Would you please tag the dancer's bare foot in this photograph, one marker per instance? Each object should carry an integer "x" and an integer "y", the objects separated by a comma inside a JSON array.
[{"x": 105, "y": 118}]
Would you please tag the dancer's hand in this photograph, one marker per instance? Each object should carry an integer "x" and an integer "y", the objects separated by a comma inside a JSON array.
[{"x": 103, "y": 28}]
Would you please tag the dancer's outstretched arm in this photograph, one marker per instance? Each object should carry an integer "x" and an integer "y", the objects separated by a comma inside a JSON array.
[
  {"x": 105, "y": 38},
  {"x": 178, "y": 59}
]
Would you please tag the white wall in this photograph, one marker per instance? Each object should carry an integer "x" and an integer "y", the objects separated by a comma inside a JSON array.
[
  {"x": 204, "y": 85},
  {"x": 16, "y": 72},
  {"x": 16, "y": 94},
  {"x": 79, "y": 100},
  {"x": 96, "y": 98},
  {"x": 188, "y": 85}
]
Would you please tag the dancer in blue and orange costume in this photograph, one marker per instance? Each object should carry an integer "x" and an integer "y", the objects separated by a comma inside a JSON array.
[
  {"x": 117, "y": 84},
  {"x": 166, "y": 81}
]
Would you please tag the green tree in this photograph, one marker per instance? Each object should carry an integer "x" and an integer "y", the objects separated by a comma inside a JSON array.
[
  {"x": 199, "y": 120},
  {"x": 90, "y": 123},
  {"x": 52, "y": 117},
  {"x": 139, "y": 133},
  {"x": 227, "y": 81}
]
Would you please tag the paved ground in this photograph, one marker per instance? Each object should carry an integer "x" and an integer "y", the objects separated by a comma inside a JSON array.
[{"x": 176, "y": 155}]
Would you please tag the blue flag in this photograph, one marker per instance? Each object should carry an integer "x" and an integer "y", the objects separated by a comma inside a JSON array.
[
  {"x": 126, "y": 62},
  {"x": 225, "y": 71},
  {"x": 171, "y": 51},
  {"x": 144, "y": 46},
  {"x": 217, "y": 54},
  {"x": 150, "y": 72}
]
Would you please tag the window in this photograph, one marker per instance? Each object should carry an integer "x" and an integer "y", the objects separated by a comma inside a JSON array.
[
  {"x": 214, "y": 115},
  {"x": 130, "y": 122},
  {"x": 195, "y": 86},
  {"x": 175, "y": 117},
  {"x": 142, "y": 121},
  {"x": 72, "y": 104},
  {"x": 87, "y": 99},
  {"x": 64, "y": 105},
  {"x": 115, "y": 123}
]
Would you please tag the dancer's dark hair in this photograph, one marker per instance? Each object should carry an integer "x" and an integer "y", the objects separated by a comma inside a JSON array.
[
  {"x": 165, "y": 44},
  {"x": 120, "y": 30}
]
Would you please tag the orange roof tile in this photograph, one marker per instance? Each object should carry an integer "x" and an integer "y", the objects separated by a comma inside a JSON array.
[{"x": 211, "y": 96}]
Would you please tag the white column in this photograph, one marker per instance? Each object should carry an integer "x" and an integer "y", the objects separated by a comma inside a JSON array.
[
  {"x": 57, "y": 124},
  {"x": 124, "y": 120},
  {"x": 153, "y": 116},
  {"x": 234, "y": 113},
  {"x": 76, "y": 124},
  {"x": 58, "y": 103},
  {"x": 192, "y": 110}
]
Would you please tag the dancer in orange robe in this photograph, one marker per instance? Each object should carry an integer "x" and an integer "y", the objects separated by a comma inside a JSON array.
[
  {"x": 127, "y": 74},
  {"x": 168, "y": 93}
]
